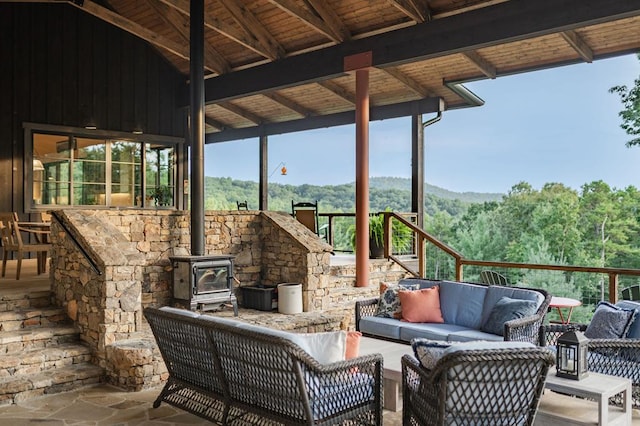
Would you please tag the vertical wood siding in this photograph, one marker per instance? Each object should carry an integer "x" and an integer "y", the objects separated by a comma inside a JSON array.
[{"x": 61, "y": 66}]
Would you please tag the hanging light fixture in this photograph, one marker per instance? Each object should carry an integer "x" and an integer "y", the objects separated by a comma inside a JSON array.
[
  {"x": 283, "y": 169},
  {"x": 37, "y": 165}
]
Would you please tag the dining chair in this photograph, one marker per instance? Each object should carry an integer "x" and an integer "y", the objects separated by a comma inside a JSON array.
[
  {"x": 242, "y": 205},
  {"x": 493, "y": 278},
  {"x": 631, "y": 293},
  {"x": 307, "y": 214},
  {"x": 10, "y": 232}
]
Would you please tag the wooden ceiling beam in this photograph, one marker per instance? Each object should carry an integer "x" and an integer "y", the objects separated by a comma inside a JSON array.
[
  {"x": 500, "y": 23},
  {"x": 328, "y": 15},
  {"x": 134, "y": 28},
  {"x": 338, "y": 91},
  {"x": 410, "y": 83},
  {"x": 382, "y": 112},
  {"x": 288, "y": 103},
  {"x": 223, "y": 28},
  {"x": 255, "y": 119},
  {"x": 213, "y": 60},
  {"x": 418, "y": 10},
  {"x": 482, "y": 64},
  {"x": 578, "y": 44},
  {"x": 254, "y": 28},
  {"x": 214, "y": 123},
  {"x": 309, "y": 18}
]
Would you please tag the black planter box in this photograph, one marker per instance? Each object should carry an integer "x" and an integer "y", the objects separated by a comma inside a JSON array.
[{"x": 260, "y": 297}]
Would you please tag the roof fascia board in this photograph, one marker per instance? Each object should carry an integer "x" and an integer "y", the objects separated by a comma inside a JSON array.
[
  {"x": 385, "y": 112},
  {"x": 489, "y": 26}
]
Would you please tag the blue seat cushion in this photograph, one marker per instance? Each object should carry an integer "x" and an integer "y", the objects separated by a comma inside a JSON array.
[
  {"x": 473, "y": 335},
  {"x": 379, "y": 326},
  {"x": 432, "y": 331}
]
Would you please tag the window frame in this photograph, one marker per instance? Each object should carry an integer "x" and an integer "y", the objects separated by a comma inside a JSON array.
[{"x": 109, "y": 137}]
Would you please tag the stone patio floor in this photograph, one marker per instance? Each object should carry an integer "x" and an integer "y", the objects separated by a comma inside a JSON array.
[{"x": 106, "y": 405}]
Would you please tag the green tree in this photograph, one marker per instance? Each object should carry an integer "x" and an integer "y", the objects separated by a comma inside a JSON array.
[{"x": 630, "y": 115}]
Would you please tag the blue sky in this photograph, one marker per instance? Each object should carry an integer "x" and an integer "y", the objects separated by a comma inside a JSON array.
[{"x": 557, "y": 125}]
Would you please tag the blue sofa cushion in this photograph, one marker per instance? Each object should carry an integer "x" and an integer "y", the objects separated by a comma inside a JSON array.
[
  {"x": 507, "y": 309},
  {"x": 634, "y": 328},
  {"x": 609, "y": 322},
  {"x": 473, "y": 335},
  {"x": 461, "y": 303},
  {"x": 434, "y": 331},
  {"x": 495, "y": 293},
  {"x": 378, "y": 326}
]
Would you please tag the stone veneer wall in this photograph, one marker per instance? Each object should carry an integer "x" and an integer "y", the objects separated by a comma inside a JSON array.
[{"x": 132, "y": 249}]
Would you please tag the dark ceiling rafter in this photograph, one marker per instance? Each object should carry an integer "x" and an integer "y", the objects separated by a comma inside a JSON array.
[
  {"x": 129, "y": 26},
  {"x": 214, "y": 123},
  {"x": 221, "y": 27},
  {"x": 578, "y": 44},
  {"x": 289, "y": 104},
  {"x": 418, "y": 10},
  {"x": 238, "y": 110},
  {"x": 407, "y": 81},
  {"x": 338, "y": 90},
  {"x": 254, "y": 28},
  {"x": 492, "y": 25},
  {"x": 310, "y": 19},
  {"x": 383, "y": 112},
  {"x": 479, "y": 62},
  {"x": 213, "y": 61},
  {"x": 331, "y": 18}
]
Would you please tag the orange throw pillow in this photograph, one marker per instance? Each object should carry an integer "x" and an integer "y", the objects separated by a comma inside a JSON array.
[
  {"x": 353, "y": 344},
  {"x": 421, "y": 305}
]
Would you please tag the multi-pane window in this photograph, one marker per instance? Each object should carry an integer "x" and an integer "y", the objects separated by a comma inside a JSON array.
[{"x": 70, "y": 170}]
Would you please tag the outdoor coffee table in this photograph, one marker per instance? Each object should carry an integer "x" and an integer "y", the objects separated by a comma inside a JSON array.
[
  {"x": 392, "y": 372},
  {"x": 553, "y": 409}
]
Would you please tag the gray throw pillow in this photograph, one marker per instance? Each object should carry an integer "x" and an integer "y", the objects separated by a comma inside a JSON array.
[
  {"x": 609, "y": 322},
  {"x": 428, "y": 352},
  {"x": 507, "y": 309}
]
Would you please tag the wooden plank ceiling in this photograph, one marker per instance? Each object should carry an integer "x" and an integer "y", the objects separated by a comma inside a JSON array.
[{"x": 275, "y": 65}]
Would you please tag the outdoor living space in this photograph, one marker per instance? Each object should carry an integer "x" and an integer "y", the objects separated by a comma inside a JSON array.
[{"x": 103, "y": 404}]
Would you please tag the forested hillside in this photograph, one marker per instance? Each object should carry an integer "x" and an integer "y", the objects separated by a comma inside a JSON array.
[
  {"x": 385, "y": 192},
  {"x": 596, "y": 226}
]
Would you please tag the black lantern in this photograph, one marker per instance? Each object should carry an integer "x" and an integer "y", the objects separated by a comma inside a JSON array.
[{"x": 571, "y": 358}]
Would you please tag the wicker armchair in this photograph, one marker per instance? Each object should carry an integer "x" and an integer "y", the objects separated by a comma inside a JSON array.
[
  {"x": 475, "y": 387},
  {"x": 615, "y": 357},
  {"x": 231, "y": 375}
]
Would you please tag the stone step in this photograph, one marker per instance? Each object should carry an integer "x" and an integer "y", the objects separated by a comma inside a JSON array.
[
  {"x": 15, "y": 342},
  {"x": 32, "y": 317},
  {"x": 10, "y": 300},
  {"x": 14, "y": 389},
  {"x": 39, "y": 360}
]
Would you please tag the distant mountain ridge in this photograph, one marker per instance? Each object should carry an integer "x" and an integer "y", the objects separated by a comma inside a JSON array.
[{"x": 404, "y": 184}]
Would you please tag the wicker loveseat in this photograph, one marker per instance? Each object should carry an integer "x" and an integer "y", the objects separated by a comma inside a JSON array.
[
  {"x": 465, "y": 308},
  {"x": 615, "y": 357},
  {"x": 236, "y": 373},
  {"x": 473, "y": 386}
]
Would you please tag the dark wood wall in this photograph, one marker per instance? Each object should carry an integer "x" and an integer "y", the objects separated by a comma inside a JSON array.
[{"x": 62, "y": 66}]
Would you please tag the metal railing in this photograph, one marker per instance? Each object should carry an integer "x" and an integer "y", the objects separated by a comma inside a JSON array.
[{"x": 459, "y": 262}]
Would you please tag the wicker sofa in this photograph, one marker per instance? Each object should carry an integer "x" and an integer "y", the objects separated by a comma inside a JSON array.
[
  {"x": 465, "y": 308},
  {"x": 235, "y": 373},
  {"x": 615, "y": 357}
]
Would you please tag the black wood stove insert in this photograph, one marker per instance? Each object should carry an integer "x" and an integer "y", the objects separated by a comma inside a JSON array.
[{"x": 204, "y": 282}]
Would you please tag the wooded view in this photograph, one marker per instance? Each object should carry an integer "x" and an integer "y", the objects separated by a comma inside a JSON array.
[{"x": 595, "y": 226}]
